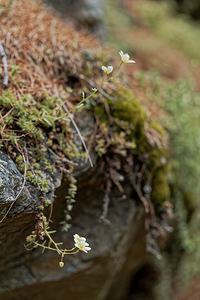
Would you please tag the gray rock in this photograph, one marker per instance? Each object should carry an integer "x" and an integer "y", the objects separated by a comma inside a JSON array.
[
  {"x": 86, "y": 13},
  {"x": 32, "y": 275}
]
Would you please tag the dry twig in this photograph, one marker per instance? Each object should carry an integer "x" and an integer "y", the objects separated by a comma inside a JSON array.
[
  {"x": 103, "y": 219},
  {"x": 79, "y": 133},
  {"x": 5, "y": 65}
]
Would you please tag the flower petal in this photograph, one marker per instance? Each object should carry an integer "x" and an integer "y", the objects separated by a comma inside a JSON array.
[
  {"x": 88, "y": 248},
  {"x": 131, "y": 61}
]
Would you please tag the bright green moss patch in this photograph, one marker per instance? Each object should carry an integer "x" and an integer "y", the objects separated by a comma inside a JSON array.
[
  {"x": 160, "y": 187},
  {"x": 124, "y": 108},
  {"x": 32, "y": 124},
  {"x": 128, "y": 109}
]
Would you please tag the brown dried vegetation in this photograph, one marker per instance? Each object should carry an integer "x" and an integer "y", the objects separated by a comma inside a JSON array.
[{"x": 44, "y": 50}]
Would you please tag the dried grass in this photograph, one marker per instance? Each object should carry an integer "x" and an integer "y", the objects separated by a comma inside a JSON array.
[{"x": 44, "y": 49}]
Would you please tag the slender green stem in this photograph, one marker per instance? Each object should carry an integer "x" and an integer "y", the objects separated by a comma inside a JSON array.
[
  {"x": 50, "y": 238},
  {"x": 63, "y": 252},
  {"x": 94, "y": 92},
  {"x": 114, "y": 74},
  {"x": 83, "y": 100},
  {"x": 70, "y": 249},
  {"x": 46, "y": 247},
  {"x": 62, "y": 258},
  {"x": 67, "y": 253}
]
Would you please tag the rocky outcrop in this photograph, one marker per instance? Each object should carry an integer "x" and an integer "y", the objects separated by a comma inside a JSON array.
[
  {"x": 42, "y": 155},
  {"x": 30, "y": 275},
  {"x": 33, "y": 275}
]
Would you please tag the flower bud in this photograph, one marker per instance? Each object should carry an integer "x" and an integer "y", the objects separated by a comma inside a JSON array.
[{"x": 61, "y": 264}]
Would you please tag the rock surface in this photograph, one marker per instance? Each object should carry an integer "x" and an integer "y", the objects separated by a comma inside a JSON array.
[
  {"x": 86, "y": 13},
  {"x": 32, "y": 275},
  {"x": 35, "y": 275}
]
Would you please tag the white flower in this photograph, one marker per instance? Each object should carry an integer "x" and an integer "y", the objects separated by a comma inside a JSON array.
[
  {"x": 80, "y": 243},
  {"x": 78, "y": 239},
  {"x": 107, "y": 70},
  {"x": 125, "y": 58},
  {"x": 83, "y": 246}
]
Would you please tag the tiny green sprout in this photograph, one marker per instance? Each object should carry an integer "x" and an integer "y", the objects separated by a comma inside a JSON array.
[
  {"x": 69, "y": 89},
  {"x": 31, "y": 238},
  {"x": 36, "y": 165},
  {"x": 14, "y": 70},
  {"x": 47, "y": 202}
]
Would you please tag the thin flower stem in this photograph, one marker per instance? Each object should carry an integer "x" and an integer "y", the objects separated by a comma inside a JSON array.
[
  {"x": 50, "y": 238},
  {"x": 62, "y": 257},
  {"x": 115, "y": 73},
  {"x": 70, "y": 249},
  {"x": 66, "y": 253},
  {"x": 83, "y": 100},
  {"x": 46, "y": 247},
  {"x": 63, "y": 252},
  {"x": 94, "y": 92}
]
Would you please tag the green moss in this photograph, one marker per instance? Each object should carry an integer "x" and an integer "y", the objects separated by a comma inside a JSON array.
[
  {"x": 125, "y": 107},
  {"x": 160, "y": 187},
  {"x": 88, "y": 70},
  {"x": 190, "y": 203},
  {"x": 100, "y": 111},
  {"x": 31, "y": 122},
  {"x": 125, "y": 124},
  {"x": 129, "y": 110},
  {"x": 158, "y": 127}
]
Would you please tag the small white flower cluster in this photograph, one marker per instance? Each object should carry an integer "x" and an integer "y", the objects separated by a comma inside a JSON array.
[
  {"x": 81, "y": 244},
  {"x": 107, "y": 70},
  {"x": 125, "y": 58}
]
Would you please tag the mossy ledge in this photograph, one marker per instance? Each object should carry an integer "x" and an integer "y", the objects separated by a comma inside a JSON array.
[
  {"x": 132, "y": 132},
  {"x": 36, "y": 127}
]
